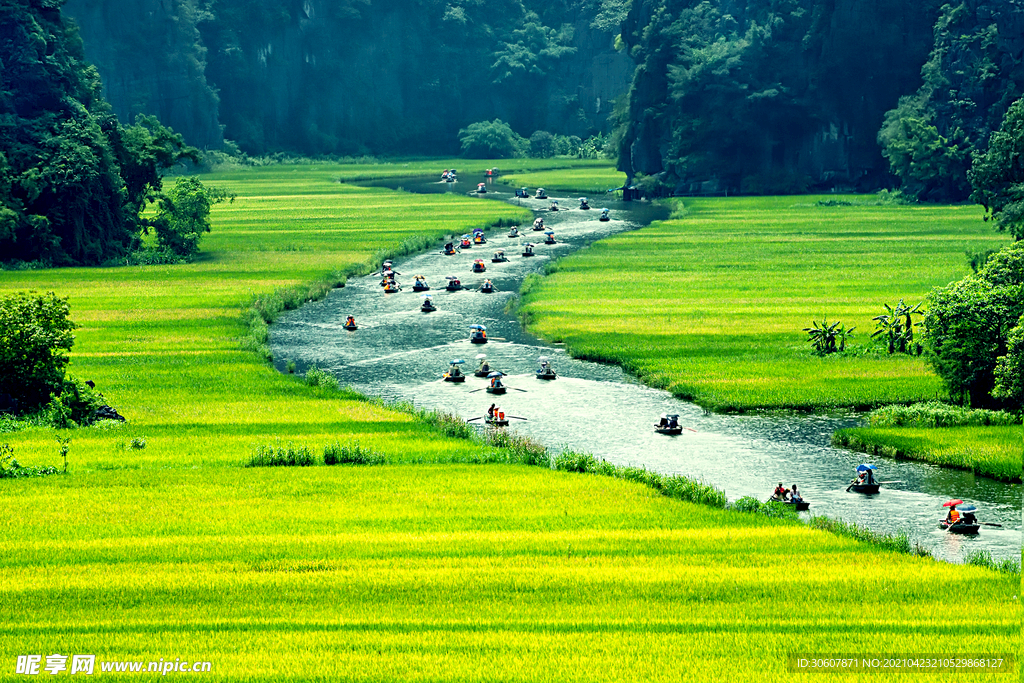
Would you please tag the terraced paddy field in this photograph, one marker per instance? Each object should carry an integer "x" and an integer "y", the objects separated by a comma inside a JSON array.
[
  {"x": 456, "y": 573},
  {"x": 158, "y": 544}
]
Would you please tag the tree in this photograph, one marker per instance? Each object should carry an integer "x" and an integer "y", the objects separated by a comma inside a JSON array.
[
  {"x": 35, "y": 331},
  {"x": 491, "y": 140},
  {"x": 542, "y": 144},
  {"x": 968, "y": 326},
  {"x": 184, "y": 215},
  {"x": 998, "y": 175},
  {"x": 1010, "y": 370}
]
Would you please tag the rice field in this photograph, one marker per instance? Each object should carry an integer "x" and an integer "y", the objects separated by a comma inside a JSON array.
[
  {"x": 991, "y": 451},
  {"x": 711, "y": 305},
  {"x": 460, "y": 573},
  {"x": 597, "y": 178},
  {"x": 160, "y": 545}
]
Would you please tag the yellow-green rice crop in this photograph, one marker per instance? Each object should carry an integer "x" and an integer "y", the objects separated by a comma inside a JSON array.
[
  {"x": 599, "y": 177},
  {"x": 460, "y": 573},
  {"x": 711, "y": 305}
]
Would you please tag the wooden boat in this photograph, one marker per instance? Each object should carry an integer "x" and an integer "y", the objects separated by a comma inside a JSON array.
[
  {"x": 869, "y": 489},
  {"x": 478, "y": 338},
  {"x": 546, "y": 373},
  {"x": 477, "y": 334},
  {"x": 550, "y": 239},
  {"x": 499, "y": 257},
  {"x": 350, "y": 327},
  {"x": 481, "y": 188},
  {"x": 479, "y": 239},
  {"x": 799, "y": 505},
  {"x": 495, "y": 422},
  {"x": 487, "y": 288},
  {"x": 541, "y": 194},
  {"x": 500, "y": 389},
  {"x": 513, "y": 233},
  {"x": 538, "y": 228},
  {"x": 453, "y": 286},
  {"x": 960, "y": 527},
  {"x": 483, "y": 371},
  {"x": 479, "y": 266},
  {"x": 528, "y": 250},
  {"x": 671, "y": 431},
  {"x": 448, "y": 377},
  {"x": 466, "y": 244},
  {"x": 428, "y": 307},
  {"x": 391, "y": 289}
]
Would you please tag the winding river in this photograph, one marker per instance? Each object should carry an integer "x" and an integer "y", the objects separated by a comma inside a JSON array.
[{"x": 400, "y": 353}]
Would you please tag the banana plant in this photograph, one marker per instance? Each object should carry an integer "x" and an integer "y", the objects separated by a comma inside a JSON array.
[
  {"x": 896, "y": 326},
  {"x": 828, "y": 338}
]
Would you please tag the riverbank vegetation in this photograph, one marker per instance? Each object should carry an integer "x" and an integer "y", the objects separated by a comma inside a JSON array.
[
  {"x": 711, "y": 305},
  {"x": 452, "y": 573},
  {"x": 597, "y": 178}
]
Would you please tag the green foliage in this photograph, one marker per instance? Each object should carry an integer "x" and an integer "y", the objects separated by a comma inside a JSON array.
[
  {"x": 968, "y": 326},
  {"x": 998, "y": 175},
  {"x": 1009, "y": 372},
  {"x": 542, "y": 145},
  {"x": 828, "y": 338},
  {"x": 11, "y": 469},
  {"x": 896, "y": 542},
  {"x": 184, "y": 215},
  {"x": 35, "y": 333},
  {"x": 491, "y": 140},
  {"x": 773, "y": 509},
  {"x": 290, "y": 455},
  {"x": 936, "y": 414},
  {"x": 315, "y": 377},
  {"x": 983, "y": 558},
  {"x": 896, "y": 326},
  {"x": 73, "y": 404},
  {"x": 351, "y": 454}
]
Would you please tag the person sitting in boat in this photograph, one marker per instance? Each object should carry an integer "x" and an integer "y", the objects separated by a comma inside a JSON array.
[
  {"x": 449, "y": 248},
  {"x": 484, "y": 366},
  {"x": 672, "y": 422},
  {"x": 953, "y": 516},
  {"x": 795, "y": 496},
  {"x": 350, "y": 321},
  {"x": 969, "y": 518},
  {"x": 780, "y": 493},
  {"x": 663, "y": 422},
  {"x": 490, "y": 412},
  {"x": 495, "y": 382},
  {"x": 538, "y": 223},
  {"x": 454, "y": 372}
]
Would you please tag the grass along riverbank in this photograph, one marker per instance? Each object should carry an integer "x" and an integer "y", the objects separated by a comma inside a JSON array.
[
  {"x": 595, "y": 178},
  {"x": 456, "y": 573},
  {"x": 990, "y": 451},
  {"x": 711, "y": 305},
  {"x": 159, "y": 544}
]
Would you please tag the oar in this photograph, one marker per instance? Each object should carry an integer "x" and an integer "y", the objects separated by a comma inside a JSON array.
[
  {"x": 474, "y": 418},
  {"x": 476, "y": 390},
  {"x": 690, "y": 428},
  {"x": 888, "y": 482},
  {"x": 998, "y": 526},
  {"x": 522, "y": 390},
  {"x": 523, "y": 418}
]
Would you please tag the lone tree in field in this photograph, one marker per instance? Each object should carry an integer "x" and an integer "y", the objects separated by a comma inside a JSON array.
[
  {"x": 184, "y": 215},
  {"x": 35, "y": 331},
  {"x": 998, "y": 175}
]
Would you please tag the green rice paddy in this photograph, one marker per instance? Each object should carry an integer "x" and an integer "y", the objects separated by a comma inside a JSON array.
[
  {"x": 159, "y": 544},
  {"x": 598, "y": 177},
  {"x": 711, "y": 305}
]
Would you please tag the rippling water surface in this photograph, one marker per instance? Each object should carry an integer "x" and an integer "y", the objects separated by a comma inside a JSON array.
[{"x": 400, "y": 353}]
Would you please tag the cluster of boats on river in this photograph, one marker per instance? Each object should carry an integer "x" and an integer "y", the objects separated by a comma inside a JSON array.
[{"x": 957, "y": 521}]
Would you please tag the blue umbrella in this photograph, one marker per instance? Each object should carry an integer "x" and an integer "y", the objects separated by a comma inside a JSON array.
[
  {"x": 458, "y": 361},
  {"x": 865, "y": 468},
  {"x": 477, "y": 327},
  {"x": 968, "y": 508},
  {"x": 549, "y": 232},
  {"x": 496, "y": 374}
]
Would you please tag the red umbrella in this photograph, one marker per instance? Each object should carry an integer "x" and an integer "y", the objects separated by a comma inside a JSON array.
[{"x": 951, "y": 503}]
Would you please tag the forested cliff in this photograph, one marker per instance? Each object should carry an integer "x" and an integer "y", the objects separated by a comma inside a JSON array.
[{"x": 355, "y": 76}]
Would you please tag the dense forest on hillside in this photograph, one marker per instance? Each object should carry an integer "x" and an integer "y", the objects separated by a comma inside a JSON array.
[{"x": 356, "y": 76}]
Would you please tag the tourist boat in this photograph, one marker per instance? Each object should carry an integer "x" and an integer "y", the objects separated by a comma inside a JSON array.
[
  {"x": 454, "y": 374},
  {"x": 584, "y": 204},
  {"x": 477, "y": 334},
  {"x": 467, "y": 242},
  {"x": 392, "y": 287},
  {"x": 496, "y": 387},
  {"x": 479, "y": 266},
  {"x": 428, "y": 305},
  {"x": 798, "y": 505},
  {"x": 540, "y": 194},
  {"x": 496, "y": 421},
  {"x": 669, "y": 424},
  {"x": 868, "y": 486},
  {"x": 528, "y": 249},
  {"x": 419, "y": 283},
  {"x": 449, "y": 249},
  {"x": 604, "y": 215},
  {"x": 522, "y": 193},
  {"x": 553, "y": 207},
  {"x": 454, "y": 284},
  {"x": 478, "y": 237},
  {"x": 550, "y": 237},
  {"x": 350, "y": 326},
  {"x": 499, "y": 257},
  {"x": 545, "y": 371},
  {"x": 513, "y": 232},
  {"x": 481, "y": 188},
  {"x": 487, "y": 287},
  {"x": 485, "y": 367},
  {"x": 960, "y": 527},
  {"x": 538, "y": 225}
]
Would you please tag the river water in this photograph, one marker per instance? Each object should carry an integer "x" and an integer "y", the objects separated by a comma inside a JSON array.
[{"x": 399, "y": 352}]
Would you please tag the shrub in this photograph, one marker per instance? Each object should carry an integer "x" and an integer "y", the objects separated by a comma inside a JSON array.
[
  {"x": 354, "y": 454},
  {"x": 184, "y": 215},
  {"x": 491, "y": 140},
  {"x": 574, "y": 461},
  {"x": 74, "y": 405},
  {"x": 35, "y": 331},
  {"x": 520, "y": 449},
  {"x": 935, "y": 414},
  {"x": 315, "y": 377},
  {"x": 983, "y": 558},
  {"x": 542, "y": 145},
  {"x": 828, "y": 338},
  {"x": 10, "y": 469},
  {"x": 281, "y": 456}
]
